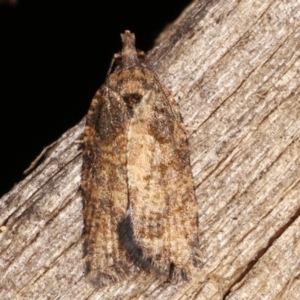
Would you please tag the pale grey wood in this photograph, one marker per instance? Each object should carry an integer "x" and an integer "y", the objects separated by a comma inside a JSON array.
[{"x": 233, "y": 66}]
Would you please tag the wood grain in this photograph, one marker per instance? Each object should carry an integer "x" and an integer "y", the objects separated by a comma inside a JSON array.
[{"x": 233, "y": 67}]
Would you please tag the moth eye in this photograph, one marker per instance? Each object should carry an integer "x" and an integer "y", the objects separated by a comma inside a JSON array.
[{"x": 132, "y": 99}]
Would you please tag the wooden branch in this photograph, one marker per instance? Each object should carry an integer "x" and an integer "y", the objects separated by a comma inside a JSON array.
[{"x": 233, "y": 66}]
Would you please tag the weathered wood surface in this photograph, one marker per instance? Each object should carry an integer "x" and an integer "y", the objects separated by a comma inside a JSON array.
[{"x": 233, "y": 66}]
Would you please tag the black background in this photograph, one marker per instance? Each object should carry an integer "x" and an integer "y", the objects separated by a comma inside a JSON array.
[{"x": 54, "y": 56}]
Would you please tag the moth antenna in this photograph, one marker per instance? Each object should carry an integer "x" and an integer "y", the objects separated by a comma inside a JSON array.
[{"x": 167, "y": 97}]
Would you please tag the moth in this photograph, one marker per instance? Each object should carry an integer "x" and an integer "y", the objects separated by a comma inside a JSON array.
[{"x": 140, "y": 210}]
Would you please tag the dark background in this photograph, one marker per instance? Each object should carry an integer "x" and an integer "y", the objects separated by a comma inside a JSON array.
[{"x": 54, "y": 56}]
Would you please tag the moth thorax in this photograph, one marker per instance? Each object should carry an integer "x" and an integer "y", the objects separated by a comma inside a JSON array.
[{"x": 132, "y": 99}]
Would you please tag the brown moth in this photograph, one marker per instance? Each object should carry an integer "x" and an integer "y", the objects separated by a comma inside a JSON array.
[{"x": 140, "y": 209}]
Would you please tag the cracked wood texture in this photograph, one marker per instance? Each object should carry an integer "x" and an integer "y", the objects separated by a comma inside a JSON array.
[{"x": 233, "y": 67}]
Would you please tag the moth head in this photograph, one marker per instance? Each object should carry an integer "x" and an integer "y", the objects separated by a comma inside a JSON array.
[{"x": 129, "y": 57}]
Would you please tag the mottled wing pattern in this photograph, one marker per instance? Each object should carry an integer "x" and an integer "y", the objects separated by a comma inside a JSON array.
[
  {"x": 140, "y": 209},
  {"x": 104, "y": 180},
  {"x": 162, "y": 211}
]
